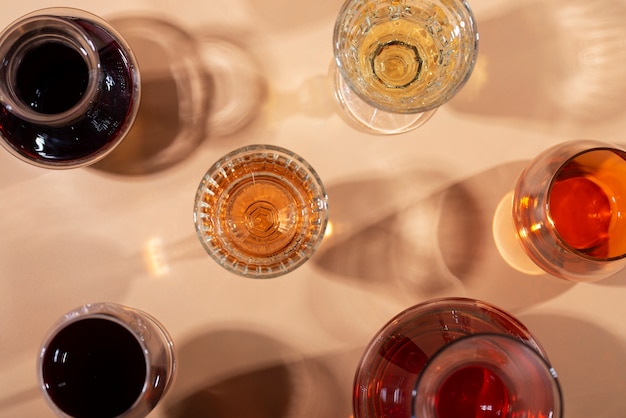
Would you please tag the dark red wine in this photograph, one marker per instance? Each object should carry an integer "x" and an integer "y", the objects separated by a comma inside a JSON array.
[
  {"x": 473, "y": 392},
  {"x": 51, "y": 78},
  {"x": 94, "y": 368}
]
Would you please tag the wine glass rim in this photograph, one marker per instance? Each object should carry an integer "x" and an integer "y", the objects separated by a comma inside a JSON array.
[
  {"x": 60, "y": 30},
  {"x": 260, "y": 267},
  {"x": 360, "y": 90}
]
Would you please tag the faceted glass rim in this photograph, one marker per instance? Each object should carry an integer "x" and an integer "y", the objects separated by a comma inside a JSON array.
[
  {"x": 449, "y": 90},
  {"x": 261, "y": 267}
]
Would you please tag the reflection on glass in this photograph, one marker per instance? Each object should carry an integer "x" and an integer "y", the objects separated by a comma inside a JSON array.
[
  {"x": 69, "y": 88},
  {"x": 261, "y": 211},
  {"x": 455, "y": 358},
  {"x": 568, "y": 212}
]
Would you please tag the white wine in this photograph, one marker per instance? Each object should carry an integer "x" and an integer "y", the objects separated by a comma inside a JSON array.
[
  {"x": 401, "y": 59},
  {"x": 405, "y": 56}
]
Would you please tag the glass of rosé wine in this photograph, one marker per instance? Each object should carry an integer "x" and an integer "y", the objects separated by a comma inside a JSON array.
[{"x": 455, "y": 358}]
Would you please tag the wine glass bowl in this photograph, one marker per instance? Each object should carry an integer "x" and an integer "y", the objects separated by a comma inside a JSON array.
[
  {"x": 261, "y": 211},
  {"x": 568, "y": 210},
  {"x": 106, "y": 360},
  {"x": 404, "y": 57}
]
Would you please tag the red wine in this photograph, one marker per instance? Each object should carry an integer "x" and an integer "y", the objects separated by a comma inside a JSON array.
[
  {"x": 95, "y": 368},
  {"x": 51, "y": 78},
  {"x": 585, "y": 203},
  {"x": 472, "y": 392}
]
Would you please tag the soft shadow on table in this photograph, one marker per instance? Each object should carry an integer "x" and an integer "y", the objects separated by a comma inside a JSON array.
[
  {"x": 288, "y": 15},
  {"x": 436, "y": 245},
  {"x": 233, "y": 372},
  {"x": 383, "y": 235},
  {"x": 194, "y": 87},
  {"x": 589, "y": 361},
  {"x": 550, "y": 61},
  {"x": 468, "y": 249},
  {"x": 42, "y": 280}
]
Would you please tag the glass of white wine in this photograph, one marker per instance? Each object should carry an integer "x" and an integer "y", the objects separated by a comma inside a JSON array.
[
  {"x": 397, "y": 61},
  {"x": 261, "y": 211}
]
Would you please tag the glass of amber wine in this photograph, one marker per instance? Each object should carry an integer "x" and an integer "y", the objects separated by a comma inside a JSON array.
[
  {"x": 455, "y": 358},
  {"x": 261, "y": 211},
  {"x": 569, "y": 210},
  {"x": 397, "y": 61}
]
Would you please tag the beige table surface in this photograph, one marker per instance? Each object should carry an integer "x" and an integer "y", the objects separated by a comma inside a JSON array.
[{"x": 410, "y": 214}]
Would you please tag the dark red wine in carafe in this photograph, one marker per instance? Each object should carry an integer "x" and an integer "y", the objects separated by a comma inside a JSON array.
[
  {"x": 64, "y": 104},
  {"x": 51, "y": 78}
]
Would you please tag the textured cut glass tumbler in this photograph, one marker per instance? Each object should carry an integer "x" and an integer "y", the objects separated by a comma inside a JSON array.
[
  {"x": 69, "y": 88},
  {"x": 455, "y": 358},
  {"x": 569, "y": 210},
  {"x": 397, "y": 61},
  {"x": 261, "y": 211},
  {"x": 106, "y": 360}
]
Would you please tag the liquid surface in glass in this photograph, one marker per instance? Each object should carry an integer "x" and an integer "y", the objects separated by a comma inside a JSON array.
[
  {"x": 261, "y": 213},
  {"x": 406, "y": 56},
  {"x": 94, "y": 368},
  {"x": 52, "y": 78},
  {"x": 586, "y": 203},
  {"x": 472, "y": 392},
  {"x": 400, "y": 58}
]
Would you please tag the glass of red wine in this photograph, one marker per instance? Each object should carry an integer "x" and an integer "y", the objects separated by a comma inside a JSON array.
[
  {"x": 569, "y": 210},
  {"x": 455, "y": 358},
  {"x": 106, "y": 360},
  {"x": 69, "y": 88}
]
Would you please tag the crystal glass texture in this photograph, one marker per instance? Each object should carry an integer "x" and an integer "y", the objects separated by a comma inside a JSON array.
[
  {"x": 261, "y": 211},
  {"x": 402, "y": 58}
]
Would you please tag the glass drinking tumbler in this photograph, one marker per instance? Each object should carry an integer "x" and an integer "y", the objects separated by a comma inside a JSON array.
[
  {"x": 569, "y": 213},
  {"x": 106, "y": 360},
  {"x": 261, "y": 211}
]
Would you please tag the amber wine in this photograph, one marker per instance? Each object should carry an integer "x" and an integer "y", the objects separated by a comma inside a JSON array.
[
  {"x": 585, "y": 203},
  {"x": 261, "y": 213}
]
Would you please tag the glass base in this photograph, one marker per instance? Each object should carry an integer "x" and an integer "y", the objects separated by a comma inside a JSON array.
[
  {"x": 506, "y": 239},
  {"x": 368, "y": 118}
]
